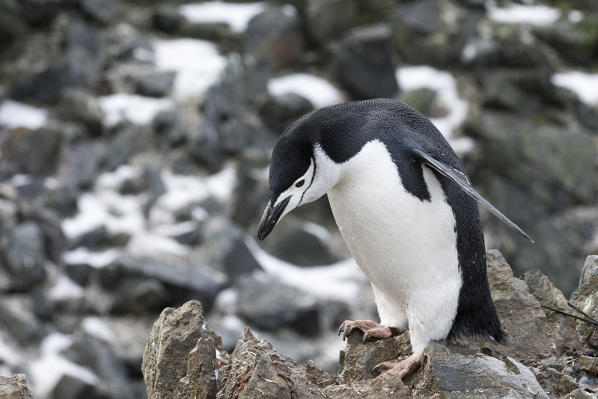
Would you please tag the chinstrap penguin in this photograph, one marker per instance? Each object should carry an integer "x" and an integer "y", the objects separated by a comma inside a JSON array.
[{"x": 407, "y": 212}]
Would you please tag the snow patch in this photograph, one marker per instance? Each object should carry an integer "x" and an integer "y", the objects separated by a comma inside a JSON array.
[
  {"x": 444, "y": 83},
  {"x": 97, "y": 259},
  {"x": 538, "y": 15},
  {"x": 14, "y": 114},
  {"x": 337, "y": 281},
  {"x": 64, "y": 288},
  {"x": 318, "y": 91},
  {"x": 139, "y": 110},
  {"x": 153, "y": 245},
  {"x": 235, "y": 15},
  {"x": 98, "y": 328},
  {"x": 46, "y": 371},
  {"x": 585, "y": 85},
  {"x": 197, "y": 64}
]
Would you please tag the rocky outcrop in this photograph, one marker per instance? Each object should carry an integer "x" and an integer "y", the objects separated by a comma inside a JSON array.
[
  {"x": 14, "y": 387},
  {"x": 543, "y": 358}
]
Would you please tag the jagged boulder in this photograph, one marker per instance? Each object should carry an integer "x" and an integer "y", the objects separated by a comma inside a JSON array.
[{"x": 14, "y": 387}]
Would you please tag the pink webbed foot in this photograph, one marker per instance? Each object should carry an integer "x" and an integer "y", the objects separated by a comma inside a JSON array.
[
  {"x": 401, "y": 368},
  {"x": 369, "y": 329}
]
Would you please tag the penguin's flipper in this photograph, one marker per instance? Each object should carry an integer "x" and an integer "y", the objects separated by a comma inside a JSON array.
[{"x": 459, "y": 178}]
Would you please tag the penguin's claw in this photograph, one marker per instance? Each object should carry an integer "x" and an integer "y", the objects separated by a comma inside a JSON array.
[
  {"x": 369, "y": 329},
  {"x": 401, "y": 368}
]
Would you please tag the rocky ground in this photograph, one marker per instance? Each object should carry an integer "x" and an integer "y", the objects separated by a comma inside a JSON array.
[
  {"x": 135, "y": 137},
  {"x": 550, "y": 354}
]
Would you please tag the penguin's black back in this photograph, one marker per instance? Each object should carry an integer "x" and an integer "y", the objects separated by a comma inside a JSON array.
[{"x": 342, "y": 130}]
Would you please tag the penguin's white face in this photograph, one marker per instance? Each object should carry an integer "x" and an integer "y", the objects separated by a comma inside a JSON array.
[{"x": 321, "y": 175}]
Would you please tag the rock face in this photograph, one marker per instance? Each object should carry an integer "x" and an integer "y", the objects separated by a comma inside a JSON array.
[
  {"x": 14, "y": 387},
  {"x": 542, "y": 359}
]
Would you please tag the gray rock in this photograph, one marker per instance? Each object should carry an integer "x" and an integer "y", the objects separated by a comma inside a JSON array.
[
  {"x": 585, "y": 297},
  {"x": 274, "y": 36},
  {"x": 157, "y": 84},
  {"x": 183, "y": 279},
  {"x": 16, "y": 314},
  {"x": 179, "y": 360},
  {"x": 269, "y": 304},
  {"x": 139, "y": 295},
  {"x": 455, "y": 372},
  {"x": 280, "y": 111},
  {"x": 425, "y": 101},
  {"x": 520, "y": 314},
  {"x": 25, "y": 255},
  {"x": 32, "y": 151},
  {"x": 301, "y": 243},
  {"x": 224, "y": 248},
  {"x": 121, "y": 146},
  {"x": 75, "y": 69},
  {"x": 327, "y": 20},
  {"x": 14, "y": 387},
  {"x": 82, "y": 35},
  {"x": 364, "y": 66},
  {"x": 80, "y": 164},
  {"x": 105, "y": 11},
  {"x": 73, "y": 387},
  {"x": 167, "y": 19},
  {"x": 80, "y": 107},
  {"x": 99, "y": 357},
  {"x": 80, "y": 273}
]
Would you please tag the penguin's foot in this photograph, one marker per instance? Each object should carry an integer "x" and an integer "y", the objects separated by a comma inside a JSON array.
[
  {"x": 401, "y": 368},
  {"x": 369, "y": 329}
]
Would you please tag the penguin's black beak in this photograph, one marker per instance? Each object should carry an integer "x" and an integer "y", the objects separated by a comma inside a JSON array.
[{"x": 270, "y": 218}]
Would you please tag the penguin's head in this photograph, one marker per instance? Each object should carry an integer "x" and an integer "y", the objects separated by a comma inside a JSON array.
[{"x": 300, "y": 172}]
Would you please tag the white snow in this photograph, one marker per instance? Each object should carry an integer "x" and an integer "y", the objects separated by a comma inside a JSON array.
[
  {"x": 318, "y": 91},
  {"x": 9, "y": 355},
  {"x": 538, "y": 15},
  {"x": 137, "y": 109},
  {"x": 97, "y": 259},
  {"x": 575, "y": 16},
  {"x": 45, "y": 371},
  {"x": 64, "y": 288},
  {"x": 417, "y": 77},
  {"x": 317, "y": 230},
  {"x": 585, "y": 85},
  {"x": 98, "y": 328},
  {"x": 338, "y": 281},
  {"x": 236, "y": 15},
  {"x": 197, "y": 64},
  {"x": 154, "y": 245},
  {"x": 14, "y": 114}
]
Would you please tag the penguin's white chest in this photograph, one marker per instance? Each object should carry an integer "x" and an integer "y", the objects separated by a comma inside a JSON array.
[{"x": 407, "y": 247}]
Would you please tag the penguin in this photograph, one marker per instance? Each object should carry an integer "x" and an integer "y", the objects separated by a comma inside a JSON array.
[{"x": 407, "y": 212}]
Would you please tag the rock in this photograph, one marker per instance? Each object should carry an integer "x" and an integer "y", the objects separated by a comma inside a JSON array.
[
  {"x": 14, "y": 387},
  {"x": 574, "y": 41},
  {"x": 182, "y": 279},
  {"x": 95, "y": 238},
  {"x": 280, "y": 111},
  {"x": 300, "y": 243},
  {"x": 224, "y": 248},
  {"x": 99, "y": 357},
  {"x": 585, "y": 297},
  {"x": 105, "y": 12},
  {"x": 440, "y": 30},
  {"x": 156, "y": 84},
  {"x": 73, "y": 387},
  {"x": 274, "y": 35},
  {"x": 455, "y": 372},
  {"x": 249, "y": 196},
  {"x": 269, "y": 304},
  {"x": 331, "y": 19},
  {"x": 25, "y": 255},
  {"x": 579, "y": 393},
  {"x": 520, "y": 314},
  {"x": 75, "y": 69},
  {"x": 179, "y": 360},
  {"x": 364, "y": 66},
  {"x": 167, "y": 19},
  {"x": 79, "y": 106},
  {"x": 565, "y": 180},
  {"x": 121, "y": 146},
  {"x": 425, "y": 101},
  {"x": 82, "y": 35},
  {"x": 139, "y": 295},
  {"x": 32, "y": 151},
  {"x": 80, "y": 164},
  {"x": 80, "y": 273},
  {"x": 16, "y": 313}
]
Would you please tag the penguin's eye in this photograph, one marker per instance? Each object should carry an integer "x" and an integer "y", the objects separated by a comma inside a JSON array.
[{"x": 300, "y": 183}]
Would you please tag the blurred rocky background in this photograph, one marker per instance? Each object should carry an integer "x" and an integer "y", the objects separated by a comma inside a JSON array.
[{"x": 135, "y": 138}]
